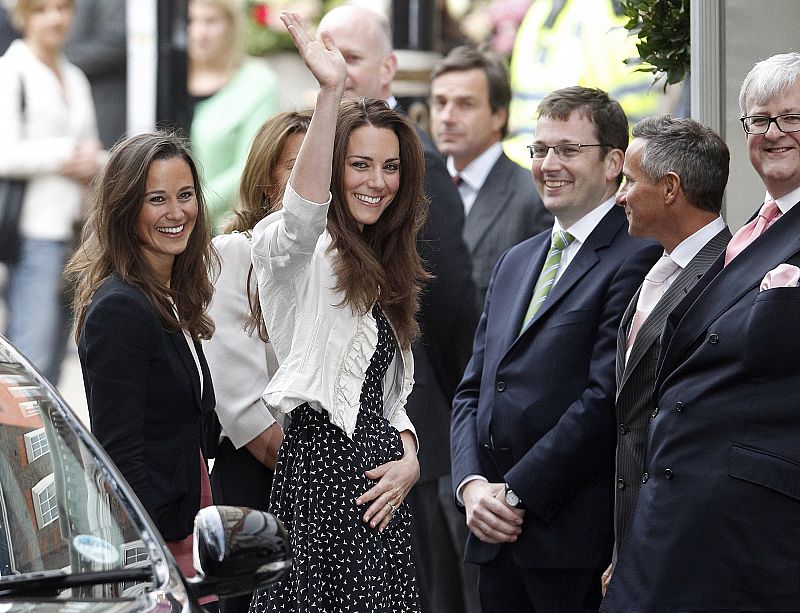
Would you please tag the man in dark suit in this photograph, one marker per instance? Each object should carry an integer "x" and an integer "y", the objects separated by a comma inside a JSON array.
[
  {"x": 470, "y": 95},
  {"x": 715, "y": 526},
  {"x": 448, "y": 317},
  {"x": 97, "y": 45},
  {"x": 675, "y": 173},
  {"x": 533, "y": 430}
]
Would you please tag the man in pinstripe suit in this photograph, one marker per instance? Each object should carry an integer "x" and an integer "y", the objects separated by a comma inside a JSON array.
[{"x": 675, "y": 172}]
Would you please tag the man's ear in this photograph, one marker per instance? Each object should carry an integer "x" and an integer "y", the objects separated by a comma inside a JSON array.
[
  {"x": 499, "y": 119},
  {"x": 389, "y": 69},
  {"x": 614, "y": 160},
  {"x": 671, "y": 187}
]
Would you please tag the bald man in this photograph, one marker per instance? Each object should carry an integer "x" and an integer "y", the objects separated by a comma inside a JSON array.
[{"x": 448, "y": 317}]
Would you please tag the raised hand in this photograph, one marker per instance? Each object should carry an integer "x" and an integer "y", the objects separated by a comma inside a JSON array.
[{"x": 322, "y": 57}]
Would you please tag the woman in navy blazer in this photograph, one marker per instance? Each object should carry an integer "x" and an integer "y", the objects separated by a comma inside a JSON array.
[{"x": 142, "y": 288}]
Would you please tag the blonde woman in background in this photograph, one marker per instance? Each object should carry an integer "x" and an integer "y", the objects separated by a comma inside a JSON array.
[
  {"x": 239, "y": 355},
  {"x": 232, "y": 97},
  {"x": 53, "y": 145}
]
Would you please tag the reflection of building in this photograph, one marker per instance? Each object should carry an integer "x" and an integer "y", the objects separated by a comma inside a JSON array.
[
  {"x": 27, "y": 484},
  {"x": 57, "y": 508}
]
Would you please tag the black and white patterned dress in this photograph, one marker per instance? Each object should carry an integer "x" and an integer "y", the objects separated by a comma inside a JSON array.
[{"x": 341, "y": 564}]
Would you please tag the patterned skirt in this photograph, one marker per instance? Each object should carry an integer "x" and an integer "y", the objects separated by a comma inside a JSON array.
[{"x": 341, "y": 564}]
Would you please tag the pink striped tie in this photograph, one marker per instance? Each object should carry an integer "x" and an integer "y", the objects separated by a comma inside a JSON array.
[
  {"x": 652, "y": 289},
  {"x": 750, "y": 232}
]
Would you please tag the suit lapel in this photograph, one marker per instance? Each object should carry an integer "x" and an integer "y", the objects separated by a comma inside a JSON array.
[
  {"x": 731, "y": 282},
  {"x": 586, "y": 258},
  {"x": 622, "y": 337},
  {"x": 654, "y": 325},
  {"x": 527, "y": 283},
  {"x": 488, "y": 205}
]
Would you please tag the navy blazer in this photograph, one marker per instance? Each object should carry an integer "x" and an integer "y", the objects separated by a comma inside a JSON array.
[
  {"x": 143, "y": 393},
  {"x": 537, "y": 410},
  {"x": 716, "y": 525}
]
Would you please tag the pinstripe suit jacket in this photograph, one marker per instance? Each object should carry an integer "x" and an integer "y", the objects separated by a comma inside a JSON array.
[
  {"x": 636, "y": 380},
  {"x": 507, "y": 211}
]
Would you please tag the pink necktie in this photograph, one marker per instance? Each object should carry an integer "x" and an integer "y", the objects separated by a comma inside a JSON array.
[
  {"x": 750, "y": 232},
  {"x": 653, "y": 288}
]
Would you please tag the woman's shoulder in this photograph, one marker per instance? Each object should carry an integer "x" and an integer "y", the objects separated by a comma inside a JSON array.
[
  {"x": 253, "y": 84},
  {"x": 258, "y": 74},
  {"x": 232, "y": 242},
  {"x": 115, "y": 290},
  {"x": 74, "y": 75},
  {"x": 233, "y": 248}
]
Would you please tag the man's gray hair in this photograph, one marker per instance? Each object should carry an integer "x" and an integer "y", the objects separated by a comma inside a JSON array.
[
  {"x": 768, "y": 79},
  {"x": 689, "y": 149}
]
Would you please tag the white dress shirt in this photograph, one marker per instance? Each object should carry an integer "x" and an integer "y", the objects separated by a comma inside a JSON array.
[
  {"x": 474, "y": 174},
  {"x": 580, "y": 231}
]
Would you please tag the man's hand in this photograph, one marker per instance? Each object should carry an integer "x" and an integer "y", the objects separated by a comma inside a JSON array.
[
  {"x": 606, "y": 579},
  {"x": 488, "y": 516}
]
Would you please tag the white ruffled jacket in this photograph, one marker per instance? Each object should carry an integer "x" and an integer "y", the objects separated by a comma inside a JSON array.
[{"x": 323, "y": 350}]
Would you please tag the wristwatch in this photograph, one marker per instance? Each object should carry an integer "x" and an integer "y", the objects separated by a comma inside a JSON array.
[{"x": 512, "y": 499}]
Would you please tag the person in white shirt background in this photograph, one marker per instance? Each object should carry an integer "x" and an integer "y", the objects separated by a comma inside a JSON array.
[{"x": 55, "y": 148}]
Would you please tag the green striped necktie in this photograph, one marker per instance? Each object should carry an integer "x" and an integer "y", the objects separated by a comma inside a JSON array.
[{"x": 547, "y": 278}]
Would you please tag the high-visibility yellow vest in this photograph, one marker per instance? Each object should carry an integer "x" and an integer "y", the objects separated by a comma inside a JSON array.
[{"x": 583, "y": 44}]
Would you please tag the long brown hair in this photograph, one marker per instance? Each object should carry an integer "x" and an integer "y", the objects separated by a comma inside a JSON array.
[
  {"x": 110, "y": 244},
  {"x": 256, "y": 188},
  {"x": 380, "y": 263}
]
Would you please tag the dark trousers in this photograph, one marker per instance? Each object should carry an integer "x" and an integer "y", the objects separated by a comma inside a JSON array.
[
  {"x": 239, "y": 480},
  {"x": 506, "y": 587},
  {"x": 446, "y": 583}
]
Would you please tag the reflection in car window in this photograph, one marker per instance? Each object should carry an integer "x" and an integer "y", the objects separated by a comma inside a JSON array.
[{"x": 59, "y": 508}]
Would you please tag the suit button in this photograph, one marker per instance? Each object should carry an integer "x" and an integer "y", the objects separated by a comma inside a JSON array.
[
  {"x": 654, "y": 413},
  {"x": 622, "y": 429},
  {"x": 679, "y": 407},
  {"x": 713, "y": 339},
  {"x": 500, "y": 386},
  {"x": 645, "y": 477},
  {"x": 486, "y": 445},
  {"x": 620, "y": 484},
  {"x": 668, "y": 473}
]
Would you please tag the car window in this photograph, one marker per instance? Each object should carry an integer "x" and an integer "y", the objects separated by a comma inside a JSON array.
[{"x": 61, "y": 509}]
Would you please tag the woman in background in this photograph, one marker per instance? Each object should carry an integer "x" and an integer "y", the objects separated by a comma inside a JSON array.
[
  {"x": 240, "y": 357},
  {"x": 53, "y": 145},
  {"x": 142, "y": 285},
  {"x": 339, "y": 279},
  {"x": 233, "y": 96}
]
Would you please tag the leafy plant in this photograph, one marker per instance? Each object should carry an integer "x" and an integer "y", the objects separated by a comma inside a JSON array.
[{"x": 663, "y": 30}]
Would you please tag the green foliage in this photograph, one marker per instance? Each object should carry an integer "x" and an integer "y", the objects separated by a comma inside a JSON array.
[{"x": 663, "y": 30}]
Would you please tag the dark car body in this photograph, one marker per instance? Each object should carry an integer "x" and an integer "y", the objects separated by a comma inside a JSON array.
[{"x": 74, "y": 537}]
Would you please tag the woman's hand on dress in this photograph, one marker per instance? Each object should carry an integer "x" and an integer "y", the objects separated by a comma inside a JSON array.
[
  {"x": 321, "y": 55},
  {"x": 394, "y": 480}
]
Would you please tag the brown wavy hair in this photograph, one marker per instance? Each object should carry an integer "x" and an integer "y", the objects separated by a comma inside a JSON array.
[
  {"x": 110, "y": 244},
  {"x": 380, "y": 263},
  {"x": 255, "y": 188}
]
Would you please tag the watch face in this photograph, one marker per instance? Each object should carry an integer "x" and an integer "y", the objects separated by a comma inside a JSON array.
[{"x": 512, "y": 499}]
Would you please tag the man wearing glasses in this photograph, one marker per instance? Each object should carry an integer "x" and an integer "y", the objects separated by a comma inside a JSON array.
[
  {"x": 716, "y": 526},
  {"x": 533, "y": 430}
]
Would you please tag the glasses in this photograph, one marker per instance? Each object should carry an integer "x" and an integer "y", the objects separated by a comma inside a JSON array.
[
  {"x": 759, "y": 124},
  {"x": 566, "y": 151}
]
